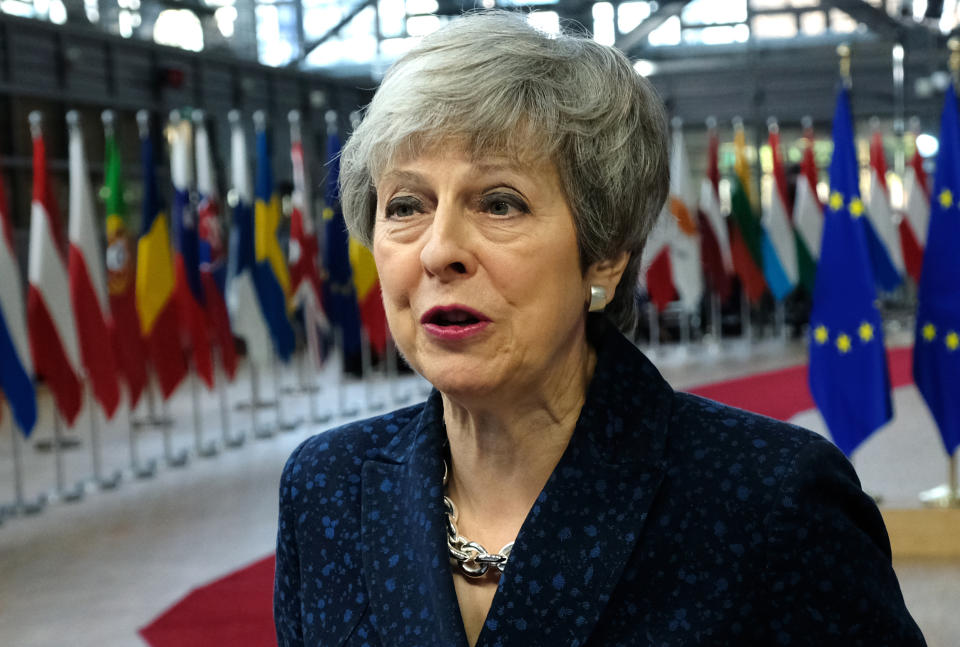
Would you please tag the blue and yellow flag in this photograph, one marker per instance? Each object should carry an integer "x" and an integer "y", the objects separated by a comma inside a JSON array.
[
  {"x": 848, "y": 363},
  {"x": 271, "y": 276},
  {"x": 936, "y": 353},
  {"x": 340, "y": 292}
]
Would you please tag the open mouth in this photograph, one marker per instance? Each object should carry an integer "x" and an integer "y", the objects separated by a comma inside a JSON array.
[{"x": 453, "y": 317}]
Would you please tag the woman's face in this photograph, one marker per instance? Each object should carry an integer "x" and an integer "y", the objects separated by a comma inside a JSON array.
[{"x": 480, "y": 271}]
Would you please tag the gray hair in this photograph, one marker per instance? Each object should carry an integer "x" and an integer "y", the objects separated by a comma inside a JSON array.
[{"x": 491, "y": 80}]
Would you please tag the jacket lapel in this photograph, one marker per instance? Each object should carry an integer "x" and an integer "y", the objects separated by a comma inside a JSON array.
[
  {"x": 580, "y": 533},
  {"x": 412, "y": 599}
]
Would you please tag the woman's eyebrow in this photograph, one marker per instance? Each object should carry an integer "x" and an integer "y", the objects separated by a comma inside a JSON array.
[{"x": 403, "y": 177}]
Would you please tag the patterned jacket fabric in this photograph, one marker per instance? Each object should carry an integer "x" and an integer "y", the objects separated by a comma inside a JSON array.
[{"x": 669, "y": 520}]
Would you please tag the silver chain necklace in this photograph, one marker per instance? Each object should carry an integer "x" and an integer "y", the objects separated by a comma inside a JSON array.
[{"x": 472, "y": 558}]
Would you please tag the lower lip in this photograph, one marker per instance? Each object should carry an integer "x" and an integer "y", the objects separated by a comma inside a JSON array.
[{"x": 455, "y": 333}]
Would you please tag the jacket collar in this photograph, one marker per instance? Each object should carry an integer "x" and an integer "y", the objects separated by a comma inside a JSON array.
[{"x": 575, "y": 541}]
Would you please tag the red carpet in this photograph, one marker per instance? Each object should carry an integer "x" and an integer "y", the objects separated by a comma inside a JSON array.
[
  {"x": 237, "y": 610},
  {"x": 784, "y": 393}
]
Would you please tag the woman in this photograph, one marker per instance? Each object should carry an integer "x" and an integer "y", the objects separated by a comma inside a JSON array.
[{"x": 553, "y": 490}]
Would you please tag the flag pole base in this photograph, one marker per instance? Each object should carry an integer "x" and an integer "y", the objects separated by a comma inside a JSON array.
[
  {"x": 942, "y": 496},
  {"x": 208, "y": 450},
  {"x": 144, "y": 470},
  {"x": 235, "y": 443},
  {"x": 178, "y": 459},
  {"x": 110, "y": 482},
  {"x": 68, "y": 495}
]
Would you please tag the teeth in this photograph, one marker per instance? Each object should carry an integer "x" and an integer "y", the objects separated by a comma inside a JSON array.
[{"x": 457, "y": 316}]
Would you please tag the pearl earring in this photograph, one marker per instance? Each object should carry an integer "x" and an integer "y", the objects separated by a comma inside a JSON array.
[{"x": 598, "y": 298}]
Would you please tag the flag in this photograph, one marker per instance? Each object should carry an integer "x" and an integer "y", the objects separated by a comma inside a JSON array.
[
  {"x": 778, "y": 245},
  {"x": 50, "y": 320},
  {"x": 339, "y": 287},
  {"x": 243, "y": 304},
  {"x": 936, "y": 352},
  {"x": 271, "y": 277},
  {"x": 210, "y": 248},
  {"x": 306, "y": 284},
  {"x": 685, "y": 263},
  {"x": 156, "y": 282},
  {"x": 88, "y": 285},
  {"x": 848, "y": 365},
  {"x": 746, "y": 234},
  {"x": 366, "y": 281},
  {"x": 123, "y": 323},
  {"x": 188, "y": 290},
  {"x": 16, "y": 367},
  {"x": 807, "y": 217},
  {"x": 879, "y": 211},
  {"x": 659, "y": 274},
  {"x": 714, "y": 239},
  {"x": 916, "y": 216}
]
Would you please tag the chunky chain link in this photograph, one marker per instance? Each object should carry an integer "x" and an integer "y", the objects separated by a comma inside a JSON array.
[{"x": 472, "y": 558}]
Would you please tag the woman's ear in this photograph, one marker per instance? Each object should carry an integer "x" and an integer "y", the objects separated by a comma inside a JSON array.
[{"x": 606, "y": 273}]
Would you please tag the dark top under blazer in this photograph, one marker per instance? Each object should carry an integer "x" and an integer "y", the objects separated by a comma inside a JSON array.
[{"x": 669, "y": 520}]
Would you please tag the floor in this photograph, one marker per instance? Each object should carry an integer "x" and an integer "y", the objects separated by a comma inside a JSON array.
[{"x": 90, "y": 573}]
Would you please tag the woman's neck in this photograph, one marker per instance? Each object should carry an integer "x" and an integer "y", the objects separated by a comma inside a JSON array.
[{"x": 503, "y": 451}]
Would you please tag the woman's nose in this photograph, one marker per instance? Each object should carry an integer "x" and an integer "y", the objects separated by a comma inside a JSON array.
[{"x": 448, "y": 252}]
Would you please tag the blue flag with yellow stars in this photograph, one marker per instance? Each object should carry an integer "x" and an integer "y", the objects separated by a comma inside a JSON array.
[
  {"x": 936, "y": 353},
  {"x": 848, "y": 363}
]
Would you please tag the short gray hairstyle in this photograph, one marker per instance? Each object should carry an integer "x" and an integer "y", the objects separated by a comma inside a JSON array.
[{"x": 496, "y": 83}]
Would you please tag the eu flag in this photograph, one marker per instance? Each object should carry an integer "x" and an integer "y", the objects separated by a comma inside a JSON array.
[
  {"x": 848, "y": 364},
  {"x": 271, "y": 277},
  {"x": 936, "y": 353},
  {"x": 340, "y": 292}
]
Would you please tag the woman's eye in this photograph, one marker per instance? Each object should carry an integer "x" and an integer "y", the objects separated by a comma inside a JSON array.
[
  {"x": 402, "y": 208},
  {"x": 500, "y": 205}
]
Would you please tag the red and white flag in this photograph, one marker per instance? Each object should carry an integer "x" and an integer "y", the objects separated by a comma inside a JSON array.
[
  {"x": 879, "y": 211},
  {"x": 916, "y": 215},
  {"x": 88, "y": 286},
  {"x": 714, "y": 236},
  {"x": 50, "y": 320}
]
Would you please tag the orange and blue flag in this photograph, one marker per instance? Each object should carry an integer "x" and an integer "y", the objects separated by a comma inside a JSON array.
[
  {"x": 156, "y": 282},
  {"x": 936, "y": 353},
  {"x": 271, "y": 276},
  {"x": 848, "y": 363}
]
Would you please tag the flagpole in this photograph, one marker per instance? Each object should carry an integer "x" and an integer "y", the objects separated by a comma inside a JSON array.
[
  {"x": 96, "y": 449},
  {"x": 228, "y": 439},
  {"x": 311, "y": 358},
  {"x": 62, "y": 493},
  {"x": 204, "y": 450},
  {"x": 173, "y": 460},
  {"x": 20, "y": 503},
  {"x": 393, "y": 374},
  {"x": 366, "y": 356},
  {"x": 138, "y": 470},
  {"x": 281, "y": 424},
  {"x": 266, "y": 432},
  {"x": 716, "y": 325},
  {"x": 344, "y": 410},
  {"x": 653, "y": 320}
]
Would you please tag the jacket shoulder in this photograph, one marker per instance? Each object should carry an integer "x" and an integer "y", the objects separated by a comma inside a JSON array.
[{"x": 342, "y": 450}]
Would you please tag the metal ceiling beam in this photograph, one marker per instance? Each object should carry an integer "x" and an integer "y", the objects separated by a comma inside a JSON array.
[
  {"x": 876, "y": 20},
  {"x": 314, "y": 44},
  {"x": 626, "y": 42}
]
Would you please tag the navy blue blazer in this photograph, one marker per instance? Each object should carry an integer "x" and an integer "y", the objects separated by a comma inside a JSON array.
[{"x": 669, "y": 520}]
